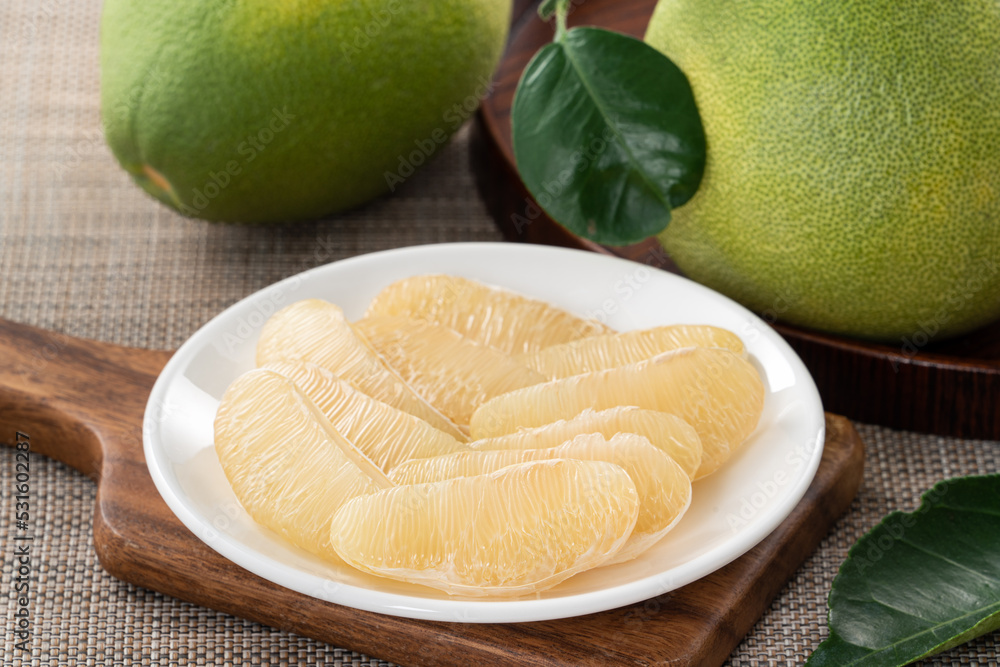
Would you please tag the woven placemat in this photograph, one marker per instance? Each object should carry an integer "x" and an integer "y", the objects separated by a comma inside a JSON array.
[{"x": 85, "y": 252}]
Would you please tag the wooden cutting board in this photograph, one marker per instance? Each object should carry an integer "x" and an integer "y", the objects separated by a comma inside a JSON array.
[
  {"x": 920, "y": 384},
  {"x": 81, "y": 402}
]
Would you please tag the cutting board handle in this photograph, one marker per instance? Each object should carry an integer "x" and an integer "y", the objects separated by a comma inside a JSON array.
[{"x": 71, "y": 399}]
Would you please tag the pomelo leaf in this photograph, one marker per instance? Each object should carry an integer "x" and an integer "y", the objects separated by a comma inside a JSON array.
[
  {"x": 919, "y": 583},
  {"x": 606, "y": 134}
]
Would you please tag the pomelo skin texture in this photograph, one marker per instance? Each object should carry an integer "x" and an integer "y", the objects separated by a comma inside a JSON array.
[
  {"x": 254, "y": 111},
  {"x": 853, "y": 174}
]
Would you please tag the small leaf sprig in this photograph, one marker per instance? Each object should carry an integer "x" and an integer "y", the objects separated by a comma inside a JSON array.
[{"x": 606, "y": 133}]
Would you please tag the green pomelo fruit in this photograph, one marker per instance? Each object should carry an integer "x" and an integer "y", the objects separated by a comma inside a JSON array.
[
  {"x": 853, "y": 174},
  {"x": 253, "y": 111}
]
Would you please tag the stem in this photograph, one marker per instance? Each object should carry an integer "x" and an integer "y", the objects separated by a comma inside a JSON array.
[{"x": 562, "y": 10}]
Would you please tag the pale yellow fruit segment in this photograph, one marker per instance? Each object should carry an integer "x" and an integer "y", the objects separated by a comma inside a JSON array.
[
  {"x": 316, "y": 331},
  {"x": 386, "y": 435},
  {"x": 287, "y": 465},
  {"x": 497, "y": 317},
  {"x": 716, "y": 391},
  {"x": 598, "y": 353},
  {"x": 454, "y": 373},
  {"x": 516, "y": 531},
  {"x": 664, "y": 488},
  {"x": 674, "y": 436}
]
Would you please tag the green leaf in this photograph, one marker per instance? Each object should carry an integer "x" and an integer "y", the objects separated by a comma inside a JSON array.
[
  {"x": 607, "y": 137},
  {"x": 920, "y": 583}
]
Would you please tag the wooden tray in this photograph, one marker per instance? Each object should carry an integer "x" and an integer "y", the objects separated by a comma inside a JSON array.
[
  {"x": 948, "y": 388},
  {"x": 82, "y": 402}
]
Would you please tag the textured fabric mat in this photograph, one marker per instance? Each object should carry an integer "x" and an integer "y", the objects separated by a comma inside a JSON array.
[{"x": 84, "y": 251}]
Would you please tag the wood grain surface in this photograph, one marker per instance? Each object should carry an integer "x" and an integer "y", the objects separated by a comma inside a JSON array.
[
  {"x": 948, "y": 387},
  {"x": 82, "y": 402}
]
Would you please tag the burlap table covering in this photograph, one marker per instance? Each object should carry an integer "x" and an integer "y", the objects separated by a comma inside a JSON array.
[{"x": 85, "y": 252}]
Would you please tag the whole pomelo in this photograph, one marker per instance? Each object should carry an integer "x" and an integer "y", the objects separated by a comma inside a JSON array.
[
  {"x": 258, "y": 111},
  {"x": 853, "y": 175}
]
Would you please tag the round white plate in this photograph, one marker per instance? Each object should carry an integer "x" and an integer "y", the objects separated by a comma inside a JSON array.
[{"x": 731, "y": 511}]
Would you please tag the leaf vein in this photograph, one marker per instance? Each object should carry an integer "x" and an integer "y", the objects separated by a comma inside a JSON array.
[
  {"x": 932, "y": 628},
  {"x": 945, "y": 559},
  {"x": 598, "y": 102}
]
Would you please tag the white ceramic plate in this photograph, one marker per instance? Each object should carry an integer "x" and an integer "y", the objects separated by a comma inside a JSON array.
[{"x": 731, "y": 511}]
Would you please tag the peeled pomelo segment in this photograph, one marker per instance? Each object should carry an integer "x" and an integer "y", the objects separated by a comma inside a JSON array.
[
  {"x": 674, "y": 436},
  {"x": 289, "y": 468},
  {"x": 386, "y": 435},
  {"x": 717, "y": 392},
  {"x": 516, "y": 531},
  {"x": 454, "y": 373},
  {"x": 497, "y": 317},
  {"x": 664, "y": 488},
  {"x": 316, "y": 331},
  {"x": 598, "y": 353}
]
